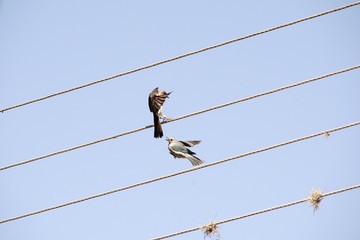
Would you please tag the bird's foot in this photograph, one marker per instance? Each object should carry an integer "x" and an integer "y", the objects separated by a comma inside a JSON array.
[{"x": 166, "y": 119}]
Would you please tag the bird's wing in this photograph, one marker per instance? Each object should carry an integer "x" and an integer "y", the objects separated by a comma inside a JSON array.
[
  {"x": 179, "y": 147},
  {"x": 190, "y": 143},
  {"x": 150, "y": 99},
  {"x": 156, "y": 101}
]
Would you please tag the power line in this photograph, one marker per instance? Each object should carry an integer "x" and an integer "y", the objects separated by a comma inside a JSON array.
[
  {"x": 258, "y": 212},
  {"x": 181, "y": 117},
  {"x": 181, "y": 172},
  {"x": 182, "y": 56}
]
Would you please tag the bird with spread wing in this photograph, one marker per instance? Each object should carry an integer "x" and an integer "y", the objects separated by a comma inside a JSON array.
[
  {"x": 179, "y": 150},
  {"x": 156, "y": 101}
]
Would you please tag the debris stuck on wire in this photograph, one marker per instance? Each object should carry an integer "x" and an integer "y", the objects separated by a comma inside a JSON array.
[
  {"x": 316, "y": 196},
  {"x": 326, "y": 135},
  {"x": 211, "y": 230}
]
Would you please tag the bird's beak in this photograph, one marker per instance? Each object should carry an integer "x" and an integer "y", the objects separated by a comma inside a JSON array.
[{"x": 167, "y": 139}]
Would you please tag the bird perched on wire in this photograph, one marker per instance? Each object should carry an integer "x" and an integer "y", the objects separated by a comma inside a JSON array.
[
  {"x": 156, "y": 101},
  {"x": 179, "y": 150}
]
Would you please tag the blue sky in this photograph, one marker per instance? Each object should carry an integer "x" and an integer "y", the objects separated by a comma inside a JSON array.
[{"x": 49, "y": 46}]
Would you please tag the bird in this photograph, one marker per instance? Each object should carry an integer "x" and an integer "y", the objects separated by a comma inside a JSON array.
[
  {"x": 156, "y": 101},
  {"x": 179, "y": 150}
]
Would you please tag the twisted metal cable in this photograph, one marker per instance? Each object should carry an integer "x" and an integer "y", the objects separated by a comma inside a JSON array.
[
  {"x": 181, "y": 172},
  {"x": 258, "y": 212},
  {"x": 182, "y": 56},
  {"x": 179, "y": 118}
]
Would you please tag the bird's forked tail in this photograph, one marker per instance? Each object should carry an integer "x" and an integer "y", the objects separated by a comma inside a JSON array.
[{"x": 195, "y": 161}]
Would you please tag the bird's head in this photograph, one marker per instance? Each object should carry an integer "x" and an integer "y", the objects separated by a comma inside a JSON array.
[{"x": 169, "y": 139}]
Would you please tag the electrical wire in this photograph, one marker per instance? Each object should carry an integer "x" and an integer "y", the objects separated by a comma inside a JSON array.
[
  {"x": 179, "y": 118},
  {"x": 258, "y": 212},
  {"x": 181, "y": 172},
  {"x": 182, "y": 56}
]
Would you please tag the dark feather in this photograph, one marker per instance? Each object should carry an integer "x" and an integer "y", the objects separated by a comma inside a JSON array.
[
  {"x": 157, "y": 99},
  {"x": 190, "y": 143},
  {"x": 158, "y": 132},
  {"x": 190, "y": 152}
]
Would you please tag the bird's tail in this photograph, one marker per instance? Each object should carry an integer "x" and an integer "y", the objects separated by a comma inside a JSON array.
[
  {"x": 195, "y": 161},
  {"x": 158, "y": 132}
]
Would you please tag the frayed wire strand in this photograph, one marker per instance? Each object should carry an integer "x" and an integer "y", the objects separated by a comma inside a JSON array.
[{"x": 260, "y": 212}]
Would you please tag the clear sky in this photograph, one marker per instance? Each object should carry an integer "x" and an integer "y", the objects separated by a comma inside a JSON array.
[{"x": 49, "y": 46}]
